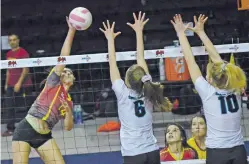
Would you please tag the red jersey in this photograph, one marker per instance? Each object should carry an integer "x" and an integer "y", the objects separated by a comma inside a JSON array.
[
  {"x": 166, "y": 155},
  {"x": 15, "y": 73},
  {"x": 49, "y": 104}
]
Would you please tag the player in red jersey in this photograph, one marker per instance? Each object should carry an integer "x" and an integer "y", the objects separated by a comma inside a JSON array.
[
  {"x": 52, "y": 104},
  {"x": 176, "y": 145}
]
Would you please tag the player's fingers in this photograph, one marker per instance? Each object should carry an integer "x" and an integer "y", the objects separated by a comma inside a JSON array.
[
  {"x": 102, "y": 30},
  {"x": 129, "y": 24},
  {"x": 108, "y": 24},
  {"x": 205, "y": 19},
  {"x": 144, "y": 23},
  {"x": 188, "y": 25},
  {"x": 117, "y": 33},
  {"x": 134, "y": 16},
  {"x": 172, "y": 22},
  {"x": 139, "y": 15},
  {"x": 104, "y": 25},
  {"x": 199, "y": 17},
  {"x": 113, "y": 25},
  {"x": 175, "y": 19},
  {"x": 143, "y": 16},
  {"x": 195, "y": 19},
  {"x": 180, "y": 17}
]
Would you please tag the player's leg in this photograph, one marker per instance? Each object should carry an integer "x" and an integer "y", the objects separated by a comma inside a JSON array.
[
  {"x": 21, "y": 143},
  {"x": 239, "y": 155},
  {"x": 9, "y": 101},
  {"x": 137, "y": 159},
  {"x": 153, "y": 157},
  {"x": 50, "y": 153},
  {"x": 21, "y": 151}
]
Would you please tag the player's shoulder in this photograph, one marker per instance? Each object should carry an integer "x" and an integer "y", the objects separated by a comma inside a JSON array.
[
  {"x": 8, "y": 53},
  {"x": 190, "y": 152},
  {"x": 22, "y": 50},
  {"x": 190, "y": 140},
  {"x": 118, "y": 83},
  {"x": 164, "y": 150}
]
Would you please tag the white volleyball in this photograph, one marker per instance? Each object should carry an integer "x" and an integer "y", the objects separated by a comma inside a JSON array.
[{"x": 80, "y": 18}]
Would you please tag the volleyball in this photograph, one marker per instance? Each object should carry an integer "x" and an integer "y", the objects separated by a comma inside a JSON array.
[{"x": 80, "y": 18}]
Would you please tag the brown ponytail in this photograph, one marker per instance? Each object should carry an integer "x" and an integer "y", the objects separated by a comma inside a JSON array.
[{"x": 152, "y": 91}]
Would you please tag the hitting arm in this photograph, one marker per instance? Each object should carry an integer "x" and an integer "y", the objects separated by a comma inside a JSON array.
[{"x": 66, "y": 48}]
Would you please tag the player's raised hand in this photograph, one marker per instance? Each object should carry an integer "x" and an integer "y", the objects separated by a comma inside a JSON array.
[
  {"x": 69, "y": 25},
  {"x": 139, "y": 22},
  {"x": 109, "y": 30},
  {"x": 199, "y": 24},
  {"x": 178, "y": 24}
]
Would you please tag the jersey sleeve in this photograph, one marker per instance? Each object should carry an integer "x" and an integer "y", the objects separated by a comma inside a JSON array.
[
  {"x": 204, "y": 89},
  {"x": 119, "y": 88},
  {"x": 53, "y": 79}
]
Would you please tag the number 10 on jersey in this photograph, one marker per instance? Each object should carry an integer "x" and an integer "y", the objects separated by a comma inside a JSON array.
[{"x": 229, "y": 103}]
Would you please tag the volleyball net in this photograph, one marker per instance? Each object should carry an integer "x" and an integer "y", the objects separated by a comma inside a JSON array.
[{"x": 92, "y": 94}]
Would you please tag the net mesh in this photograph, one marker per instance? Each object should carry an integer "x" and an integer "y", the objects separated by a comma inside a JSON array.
[{"x": 92, "y": 91}]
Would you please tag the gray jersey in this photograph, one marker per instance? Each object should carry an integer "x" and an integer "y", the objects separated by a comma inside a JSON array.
[
  {"x": 135, "y": 114},
  {"x": 223, "y": 112}
]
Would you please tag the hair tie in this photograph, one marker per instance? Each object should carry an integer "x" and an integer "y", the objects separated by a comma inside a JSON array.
[{"x": 146, "y": 78}]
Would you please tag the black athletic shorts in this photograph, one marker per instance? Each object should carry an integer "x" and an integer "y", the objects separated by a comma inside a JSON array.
[
  {"x": 146, "y": 158},
  {"x": 25, "y": 132},
  {"x": 235, "y": 155}
]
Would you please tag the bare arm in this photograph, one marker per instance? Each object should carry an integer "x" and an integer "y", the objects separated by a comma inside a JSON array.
[
  {"x": 187, "y": 52},
  {"x": 24, "y": 73},
  {"x": 138, "y": 28},
  {"x": 66, "y": 48},
  {"x": 212, "y": 52},
  {"x": 114, "y": 72},
  {"x": 7, "y": 79},
  {"x": 68, "y": 121},
  {"x": 186, "y": 48},
  {"x": 140, "y": 52},
  {"x": 110, "y": 36},
  {"x": 199, "y": 30}
]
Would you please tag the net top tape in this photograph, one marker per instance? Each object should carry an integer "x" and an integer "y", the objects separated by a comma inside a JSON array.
[{"x": 120, "y": 56}]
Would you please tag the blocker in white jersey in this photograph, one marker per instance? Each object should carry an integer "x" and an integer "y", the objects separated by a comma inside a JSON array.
[
  {"x": 223, "y": 111},
  {"x": 220, "y": 97},
  {"x": 135, "y": 114},
  {"x": 136, "y": 99}
]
